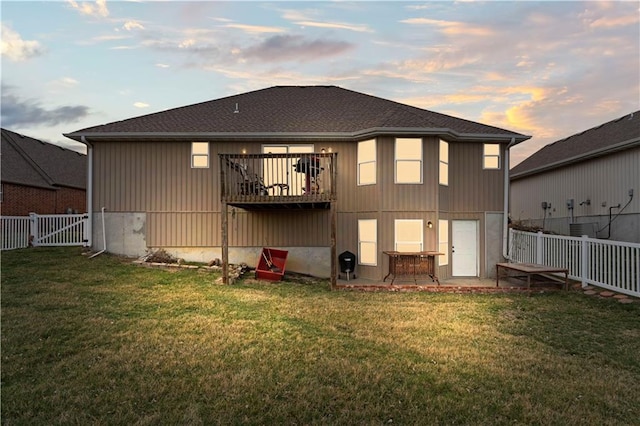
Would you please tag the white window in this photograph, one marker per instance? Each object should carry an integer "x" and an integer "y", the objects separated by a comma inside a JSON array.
[
  {"x": 408, "y": 235},
  {"x": 408, "y": 160},
  {"x": 491, "y": 156},
  {"x": 444, "y": 163},
  {"x": 368, "y": 242},
  {"x": 199, "y": 155},
  {"x": 367, "y": 162},
  {"x": 443, "y": 242}
]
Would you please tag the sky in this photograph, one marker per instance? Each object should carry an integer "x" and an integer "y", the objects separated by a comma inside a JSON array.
[{"x": 546, "y": 69}]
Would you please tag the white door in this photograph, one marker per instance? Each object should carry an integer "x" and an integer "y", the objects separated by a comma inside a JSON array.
[{"x": 464, "y": 248}]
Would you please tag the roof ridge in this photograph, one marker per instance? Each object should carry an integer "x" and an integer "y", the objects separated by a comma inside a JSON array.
[{"x": 580, "y": 144}]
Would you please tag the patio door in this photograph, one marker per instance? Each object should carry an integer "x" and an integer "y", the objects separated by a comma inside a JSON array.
[
  {"x": 464, "y": 248},
  {"x": 280, "y": 170}
]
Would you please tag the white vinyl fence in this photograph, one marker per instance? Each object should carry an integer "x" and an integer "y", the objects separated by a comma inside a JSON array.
[
  {"x": 614, "y": 265},
  {"x": 43, "y": 230},
  {"x": 15, "y": 232}
]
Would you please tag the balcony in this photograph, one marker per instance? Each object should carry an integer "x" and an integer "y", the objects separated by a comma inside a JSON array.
[{"x": 278, "y": 181}]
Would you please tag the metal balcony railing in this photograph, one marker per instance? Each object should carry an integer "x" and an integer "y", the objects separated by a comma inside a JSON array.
[{"x": 278, "y": 178}]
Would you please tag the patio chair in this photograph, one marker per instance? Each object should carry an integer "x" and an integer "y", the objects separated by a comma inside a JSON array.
[{"x": 250, "y": 183}]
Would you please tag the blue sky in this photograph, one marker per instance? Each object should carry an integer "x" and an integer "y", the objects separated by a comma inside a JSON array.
[{"x": 546, "y": 69}]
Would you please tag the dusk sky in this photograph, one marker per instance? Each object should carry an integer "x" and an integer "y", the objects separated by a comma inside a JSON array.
[{"x": 545, "y": 69}]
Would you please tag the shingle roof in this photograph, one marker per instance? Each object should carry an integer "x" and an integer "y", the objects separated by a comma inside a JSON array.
[
  {"x": 608, "y": 137},
  {"x": 319, "y": 110},
  {"x": 31, "y": 162}
]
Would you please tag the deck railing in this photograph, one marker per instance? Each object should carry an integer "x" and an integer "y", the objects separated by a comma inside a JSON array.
[
  {"x": 614, "y": 265},
  {"x": 278, "y": 178}
]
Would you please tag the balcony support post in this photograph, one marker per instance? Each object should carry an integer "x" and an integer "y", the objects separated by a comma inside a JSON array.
[
  {"x": 225, "y": 243},
  {"x": 334, "y": 251}
]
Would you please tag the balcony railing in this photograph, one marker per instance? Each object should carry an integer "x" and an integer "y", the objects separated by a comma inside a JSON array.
[{"x": 303, "y": 180}]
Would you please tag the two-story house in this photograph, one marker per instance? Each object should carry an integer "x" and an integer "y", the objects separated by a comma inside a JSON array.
[{"x": 312, "y": 170}]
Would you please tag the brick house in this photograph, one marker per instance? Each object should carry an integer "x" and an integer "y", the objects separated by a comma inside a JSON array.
[{"x": 40, "y": 177}]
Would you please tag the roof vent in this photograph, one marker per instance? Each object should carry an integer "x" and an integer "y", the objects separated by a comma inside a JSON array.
[{"x": 237, "y": 109}]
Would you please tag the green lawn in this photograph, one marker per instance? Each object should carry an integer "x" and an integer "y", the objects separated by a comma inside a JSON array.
[{"x": 101, "y": 341}]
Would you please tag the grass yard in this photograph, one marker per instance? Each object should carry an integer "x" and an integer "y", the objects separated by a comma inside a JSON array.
[{"x": 101, "y": 341}]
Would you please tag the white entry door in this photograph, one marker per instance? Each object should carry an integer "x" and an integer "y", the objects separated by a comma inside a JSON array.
[{"x": 464, "y": 248}]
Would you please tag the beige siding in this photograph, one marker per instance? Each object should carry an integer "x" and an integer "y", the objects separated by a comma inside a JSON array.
[
  {"x": 471, "y": 188},
  {"x": 409, "y": 197},
  {"x": 175, "y": 229},
  {"x": 152, "y": 177},
  {"x": 604, "y": 180},
  {"x": 246, "y": 229},
  {"x": 183, "y": 209},
  {"x": 280, "y": 228}
]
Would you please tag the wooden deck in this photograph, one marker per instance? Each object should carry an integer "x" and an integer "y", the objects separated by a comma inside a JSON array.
[
  {"x": 527, "y": 271},
  {"x": 278, "y": 181}
]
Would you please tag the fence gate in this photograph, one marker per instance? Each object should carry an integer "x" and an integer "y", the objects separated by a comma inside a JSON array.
[{"x": 44, "y": 230}]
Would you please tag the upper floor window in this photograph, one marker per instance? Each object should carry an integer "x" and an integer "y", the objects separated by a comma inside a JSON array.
[
  {"x": 444, "y": 163},
  {"x": 408, "y": 160},
  {"x": 367, "y": 162},
  {"x": 491, "y": 156},
  {"x": 199, "y": 155}
]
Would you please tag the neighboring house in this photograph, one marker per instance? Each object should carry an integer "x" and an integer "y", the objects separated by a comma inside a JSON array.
[
  {"x": 586, "y": 184},
  {"x": 40, "y": 177},
  {"x": 313, "y": 170}
]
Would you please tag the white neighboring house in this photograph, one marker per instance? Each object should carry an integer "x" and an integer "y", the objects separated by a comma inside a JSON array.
[{"x": 585, "y": 184}]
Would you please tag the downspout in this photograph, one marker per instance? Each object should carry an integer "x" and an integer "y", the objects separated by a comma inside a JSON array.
[
  {"x": 104, "y": 239},
  {"x": 505, "y": 216},
  {"x": 89, "y": 189}
]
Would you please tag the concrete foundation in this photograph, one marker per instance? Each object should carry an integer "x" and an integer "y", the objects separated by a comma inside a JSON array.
[
  {"x": 126, "y": 235},
  {"x": 315, "y": 261}
]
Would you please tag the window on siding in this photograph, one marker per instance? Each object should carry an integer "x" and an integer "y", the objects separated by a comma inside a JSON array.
[
  {"x": 443, "y": 242},
  {"x": 199, "y": 155},
  {"x": 368, "y": 242},
  {"x": 367, "y": 162},
  {"x": 444, "y": 163},
  {"x": 491, "y": 156},
  {"x": 408, "y": 160},
  {"x": 408, "y": 235}
]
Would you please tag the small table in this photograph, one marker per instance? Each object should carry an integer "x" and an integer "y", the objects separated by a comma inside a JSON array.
[
  {"x": 529, "y": 269},
  {"x": 412, "y": 263}
]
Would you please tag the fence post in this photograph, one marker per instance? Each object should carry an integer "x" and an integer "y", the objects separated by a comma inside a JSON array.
[
  {"x": 584, "y": 262},
  {"x": 539, "y": 248},
  {"x": 33, "y": 225}
]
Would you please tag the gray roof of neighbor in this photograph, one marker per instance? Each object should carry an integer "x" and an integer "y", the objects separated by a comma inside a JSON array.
[
  {"x": 609, "y": 137},
  {"x": 322, "y": 111},
  {"x": 31, "y": 162}
]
